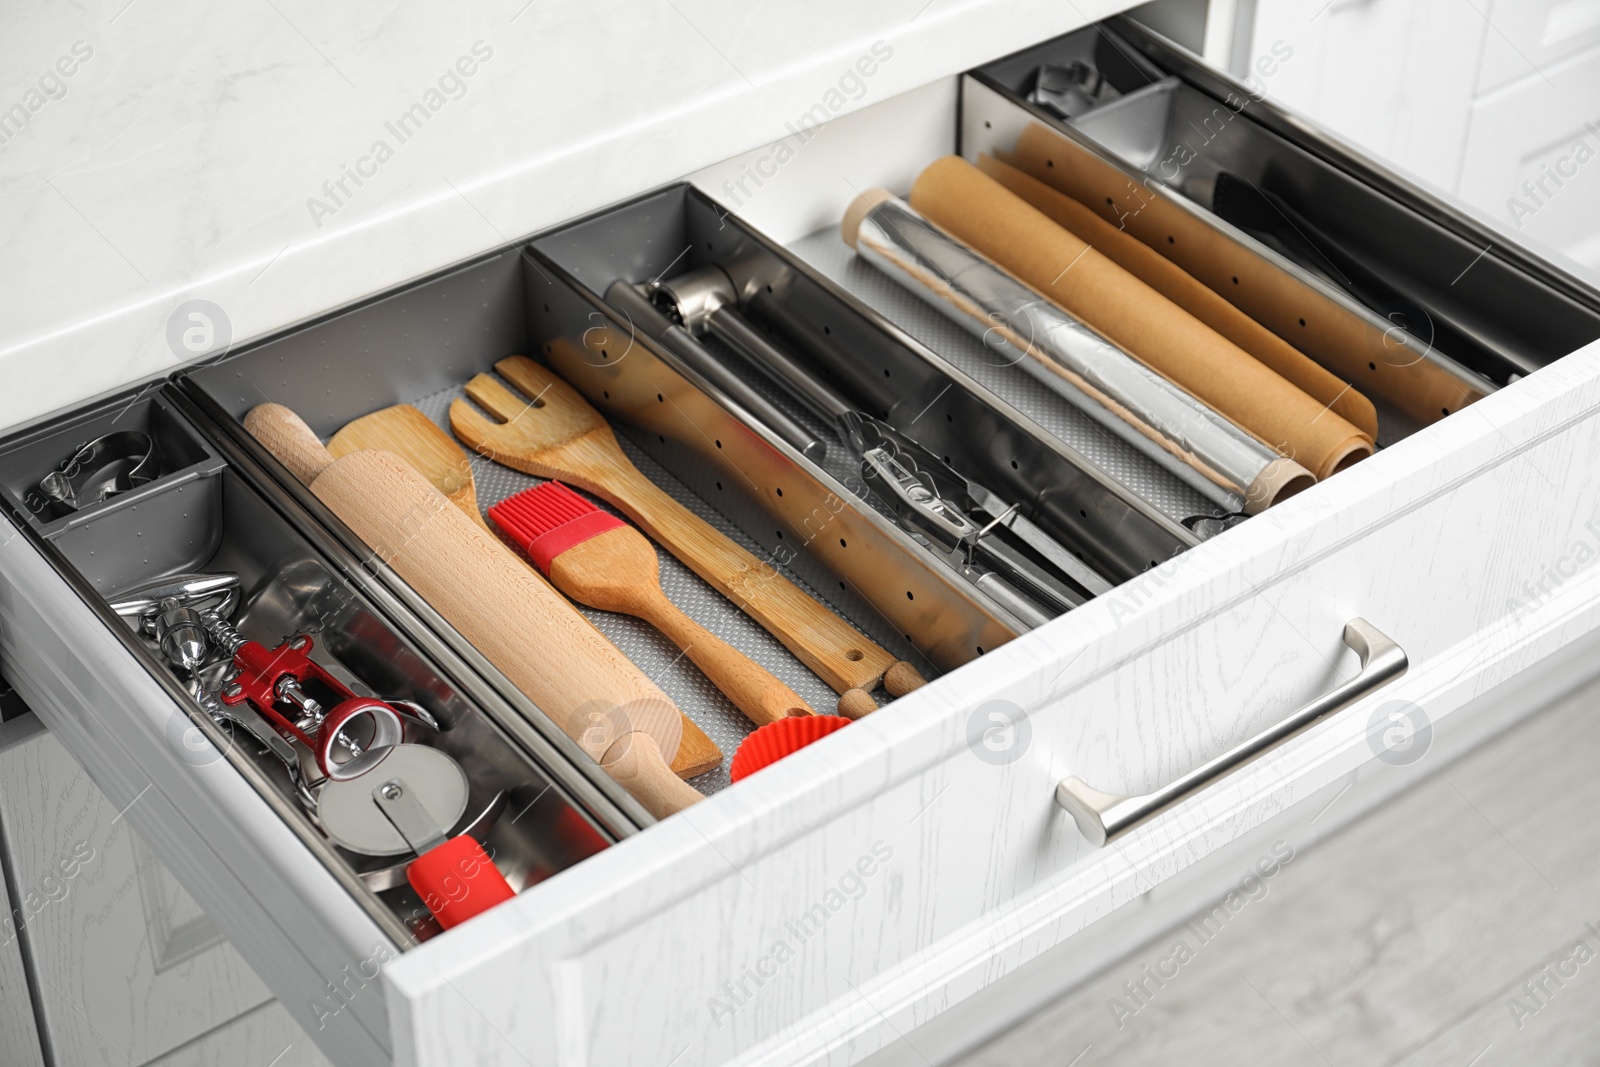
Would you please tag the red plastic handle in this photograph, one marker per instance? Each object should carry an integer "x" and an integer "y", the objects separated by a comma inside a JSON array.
[
  {"x": 262, "y": 669},
  {"x": 458, "y": 880}
]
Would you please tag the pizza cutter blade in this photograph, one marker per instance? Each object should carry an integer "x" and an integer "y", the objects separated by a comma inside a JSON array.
[{"x": 352, "y": 818}]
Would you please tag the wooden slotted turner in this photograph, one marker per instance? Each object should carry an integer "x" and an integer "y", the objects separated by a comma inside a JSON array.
[
  {"x": 411, "y": 435},
  {"x": 551, "y": 431}
]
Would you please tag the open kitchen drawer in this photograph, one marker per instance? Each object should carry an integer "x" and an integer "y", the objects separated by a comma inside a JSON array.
[{"x": 820, "y": 910}]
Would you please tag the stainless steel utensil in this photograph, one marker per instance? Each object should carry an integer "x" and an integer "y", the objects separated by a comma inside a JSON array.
[{"x": 915, "y": 487}]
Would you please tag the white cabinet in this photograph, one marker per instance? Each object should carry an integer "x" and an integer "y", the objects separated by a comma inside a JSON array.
[
  {"x": 267, "y": 1036},
  {"x": 1494, "y": 103},
  {"x": 126, "y": 967},
  {"x": 19, "y": 1033},
  {"x": 1531, "y": 160},
  {"x": 1531, "y": 38},
  {"x": 1393, "y": 76}
]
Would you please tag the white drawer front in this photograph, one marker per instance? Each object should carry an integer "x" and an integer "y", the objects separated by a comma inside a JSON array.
[{"x": 824, "y": 908}]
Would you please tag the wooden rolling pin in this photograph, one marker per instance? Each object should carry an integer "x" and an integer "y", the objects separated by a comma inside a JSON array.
[
  {"x": 551, "y": 431},
  {"x": 434, "y": 454},
  {"x": 593, "y": 693}
]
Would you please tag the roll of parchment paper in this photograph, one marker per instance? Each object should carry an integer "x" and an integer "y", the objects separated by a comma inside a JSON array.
[
  {"x": 1199, "y": 446},
  {"x": 1367, "y": 350},
  {"x": 1178, "y": 286},
  {"x": 1004, "y": 228}
]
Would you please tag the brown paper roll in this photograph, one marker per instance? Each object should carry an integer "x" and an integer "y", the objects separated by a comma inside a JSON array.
[
  {"x": 1329, "y": 334},
  {"x": 976, "y": 209},
  {"x": 1178, "y": 286}
]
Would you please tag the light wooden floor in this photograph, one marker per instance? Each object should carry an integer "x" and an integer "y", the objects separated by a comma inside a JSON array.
[{"x": 1408, "y": 938}]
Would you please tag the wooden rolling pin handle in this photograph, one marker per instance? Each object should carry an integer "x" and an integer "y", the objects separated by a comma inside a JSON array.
[
  {"x": 636, "y": 763},
  {"x": 286, "y": 436},
  {"x": 753, "y": 690},
  {"x": 856, "y": 704},
  {"x": 902, "y": 678}
]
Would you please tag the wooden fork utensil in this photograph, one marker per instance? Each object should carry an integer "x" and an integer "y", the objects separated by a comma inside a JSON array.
[{"x": 551, "y": 431}]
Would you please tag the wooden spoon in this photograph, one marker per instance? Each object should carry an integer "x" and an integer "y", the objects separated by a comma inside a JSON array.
[{"x": 415, "y": 438}]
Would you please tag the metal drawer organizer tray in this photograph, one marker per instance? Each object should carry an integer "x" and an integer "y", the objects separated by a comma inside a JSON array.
[{"x": 222, "y": 504}]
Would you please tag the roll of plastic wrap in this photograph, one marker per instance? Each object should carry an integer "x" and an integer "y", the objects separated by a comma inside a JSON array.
[{"x": 1196, "y": 444}]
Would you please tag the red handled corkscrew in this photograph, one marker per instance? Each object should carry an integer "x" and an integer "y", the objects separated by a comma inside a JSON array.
[{"x": 348, "y": 734}]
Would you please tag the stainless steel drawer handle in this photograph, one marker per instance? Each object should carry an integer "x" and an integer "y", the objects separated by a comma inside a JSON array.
[{"x": 1103, "y": 817}]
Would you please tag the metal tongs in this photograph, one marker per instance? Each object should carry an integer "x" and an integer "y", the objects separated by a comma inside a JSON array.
[
  {"x": 917, "y": 489},
  {"x": 927, "y": 497}
]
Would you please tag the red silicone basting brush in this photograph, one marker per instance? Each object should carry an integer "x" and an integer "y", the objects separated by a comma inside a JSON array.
[{"x": 599, "y": 560}]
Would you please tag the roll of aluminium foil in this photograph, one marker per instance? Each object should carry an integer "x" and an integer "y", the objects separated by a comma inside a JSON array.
[{"x": 1183, "y": 435}]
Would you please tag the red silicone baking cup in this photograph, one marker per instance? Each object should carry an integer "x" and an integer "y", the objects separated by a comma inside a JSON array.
[{"x": 778, "y": 739}]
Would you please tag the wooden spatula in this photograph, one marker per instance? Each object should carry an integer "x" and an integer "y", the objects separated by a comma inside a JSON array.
[
  {"x": 553, "y": 432},
  {"x": 588, "y": 688},
  {"x": 412, "y": 436},
  {"x": 415, "y": 438}
]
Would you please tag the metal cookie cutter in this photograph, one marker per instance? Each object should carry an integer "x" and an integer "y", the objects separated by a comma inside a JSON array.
[{"x": 102, "y": 468}]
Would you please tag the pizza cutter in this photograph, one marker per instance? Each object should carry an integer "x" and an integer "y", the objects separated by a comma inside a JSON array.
[{"x": 411, "y": 805}]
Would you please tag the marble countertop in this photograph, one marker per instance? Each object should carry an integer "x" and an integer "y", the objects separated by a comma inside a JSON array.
[{"x": 179, "y": 176}]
